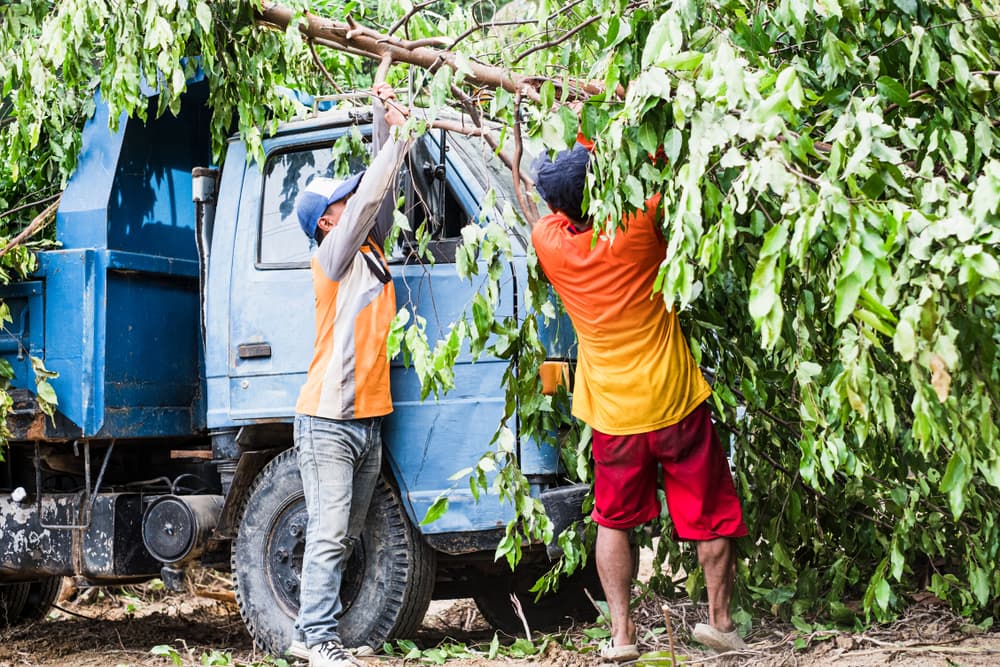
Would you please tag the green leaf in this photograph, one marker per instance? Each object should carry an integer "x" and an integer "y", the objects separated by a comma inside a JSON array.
[
  {"x": 893, "y": 91},
  {"x": 980, "y": 581},
  {"x": 168, "y": 652},
  {"x": 436, "y": 510},
  {"x": 648, "y": 138},
  {"x": 204, "y": 16},
  {"x": 46, "y": 392},
  {"x": 848, "y": 289},
  {"x": 570, "y": 123},
  {"x": 882, "y": 593},
  {"x": 441, "y": 86},
  {"x": 547, "y": 94},
  {"x": 464, "y": 472},
  {"x": 554, "y": 132},
  {"x": 482, "y": 314},
  {"x": 904, "y": 340},
  {"x": 953, "y": 483},
  {"x": 633, "y": 191},
  {"x": 686, "y": 60},
  {"x": 774, "y": 241},
  {"x": 672, "y": 143}
]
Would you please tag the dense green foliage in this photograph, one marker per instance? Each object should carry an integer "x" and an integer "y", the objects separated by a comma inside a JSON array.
[
  {"x": 830, "y": 201},
  {"x": 830, "y": 182}
]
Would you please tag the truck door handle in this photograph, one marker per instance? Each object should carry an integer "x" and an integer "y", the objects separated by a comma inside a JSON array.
[{"x": 254, "y": 351}]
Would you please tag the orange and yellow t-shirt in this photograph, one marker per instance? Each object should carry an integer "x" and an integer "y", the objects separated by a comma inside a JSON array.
[{"x": 635, "y": 372}]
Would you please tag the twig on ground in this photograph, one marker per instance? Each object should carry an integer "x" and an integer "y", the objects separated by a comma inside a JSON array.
[
  {"x": 73, "y": 613},
  {"x": 670, "y": 632},
  {"x": 520, "y": 614}
]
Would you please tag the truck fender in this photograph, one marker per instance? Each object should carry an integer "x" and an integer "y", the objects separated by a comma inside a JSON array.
[{"x": 249, "y": 465}]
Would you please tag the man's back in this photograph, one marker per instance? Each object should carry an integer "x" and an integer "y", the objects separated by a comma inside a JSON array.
[{"x": 635, "y": 372}]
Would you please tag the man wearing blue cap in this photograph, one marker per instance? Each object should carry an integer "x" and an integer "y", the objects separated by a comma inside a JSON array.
[{"x": 346, "y": 394}]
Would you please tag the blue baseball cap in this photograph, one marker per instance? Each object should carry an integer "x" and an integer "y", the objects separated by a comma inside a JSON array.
[{"x": 320, "y": 193}]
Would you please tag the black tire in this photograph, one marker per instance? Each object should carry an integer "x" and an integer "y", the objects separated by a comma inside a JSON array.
[
  {"x": 41, "y": 596},
  {"x": 563, "y": 608},
  {"x": 387, "y": 582},
  {"x": 13, "y": 597}
]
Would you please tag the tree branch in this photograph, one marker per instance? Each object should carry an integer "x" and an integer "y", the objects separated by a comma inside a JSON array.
[
  {"x": 971, "y": 19},
  {"x": 527, "y": 206},
  {"x": 383, "y": 68},
  {"x": 34, "y": 226},
  {"x": 12, "y": 211},
  {"x": 481, "y": 26},
  {"x": 359, "y": 40},
  {"x": 409, "y": 15},
  {"x": 470, "y": 107},
  {"x": 322, "y": 67},
  {"x": 556, "y": 42}
]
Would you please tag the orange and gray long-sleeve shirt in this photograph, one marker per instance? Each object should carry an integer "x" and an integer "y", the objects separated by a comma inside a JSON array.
[{"x": 355, "y": 299}]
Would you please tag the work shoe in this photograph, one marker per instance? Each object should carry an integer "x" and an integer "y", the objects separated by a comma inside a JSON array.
[
  {"x": 300, "y": 651},
  {"x": 331, "y": 654},
  {"x": 716, "y": 639},
  {"x": 620, "y": 653}
]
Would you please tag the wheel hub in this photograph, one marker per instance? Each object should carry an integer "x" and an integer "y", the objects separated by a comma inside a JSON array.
[{"x": 284, "y": 554}]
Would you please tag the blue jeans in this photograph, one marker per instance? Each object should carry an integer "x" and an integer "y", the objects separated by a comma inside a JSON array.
[{"x": 339, "y": 462}]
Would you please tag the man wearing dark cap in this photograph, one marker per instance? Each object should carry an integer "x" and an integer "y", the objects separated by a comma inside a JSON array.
[
  {"x": 642, "y": 394},
  {"x": 346, "y": 394}
]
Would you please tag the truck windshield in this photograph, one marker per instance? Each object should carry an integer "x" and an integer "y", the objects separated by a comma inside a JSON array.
[{"x": 490, "y": 172}]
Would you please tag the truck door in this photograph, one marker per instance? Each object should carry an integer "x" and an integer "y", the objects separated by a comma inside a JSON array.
[{"x": 271, "y": 324}]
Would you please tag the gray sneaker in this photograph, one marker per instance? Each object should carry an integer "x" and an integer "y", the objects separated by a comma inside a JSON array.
[
  {"x": 717, "y": 640},
  {"x": 331, "y": 654},
  {"x": 298, "y": 650}
]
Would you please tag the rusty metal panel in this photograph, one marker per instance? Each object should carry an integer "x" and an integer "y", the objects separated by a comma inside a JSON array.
[{"x": 110, "y": 548}]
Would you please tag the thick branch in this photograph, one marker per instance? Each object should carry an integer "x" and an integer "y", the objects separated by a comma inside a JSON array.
[{"x": 359, "y": 40}]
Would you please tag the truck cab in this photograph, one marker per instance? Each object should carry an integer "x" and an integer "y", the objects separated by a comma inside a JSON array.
[{"x": 179, "y": 316}]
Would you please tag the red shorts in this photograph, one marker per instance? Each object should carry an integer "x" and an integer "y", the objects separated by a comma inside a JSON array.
[{"x": 700, "y": 494}]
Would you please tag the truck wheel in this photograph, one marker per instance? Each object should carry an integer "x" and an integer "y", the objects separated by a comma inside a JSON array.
[
  {"x": 565, "y": 606},
  {"x": 41, "y": 595},
  {"x": 12, "y": 600},
  {"x": 387, "y": 582}
]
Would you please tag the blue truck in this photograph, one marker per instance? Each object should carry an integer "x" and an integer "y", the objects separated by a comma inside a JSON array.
[{"x": 178, "y": 314}]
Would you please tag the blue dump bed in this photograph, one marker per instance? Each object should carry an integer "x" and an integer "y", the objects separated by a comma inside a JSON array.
[{"x": 115, "y": 311}]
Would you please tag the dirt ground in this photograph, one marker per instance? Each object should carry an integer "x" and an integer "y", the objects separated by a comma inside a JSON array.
[{"x": 117, "y": 627}]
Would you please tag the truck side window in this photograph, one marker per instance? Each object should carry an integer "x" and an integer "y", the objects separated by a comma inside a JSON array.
[
  {"x": 434, "y": 198},
  {"x": 281, "y": 243}
]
